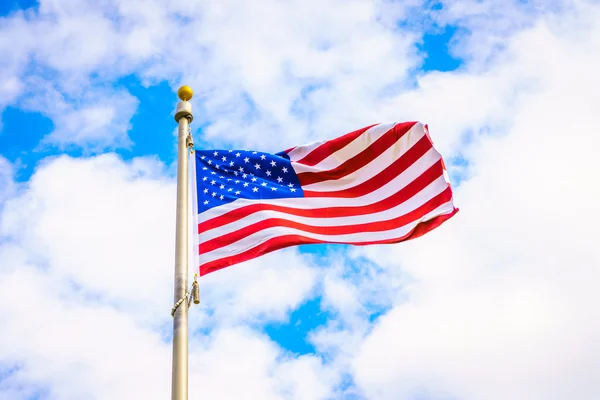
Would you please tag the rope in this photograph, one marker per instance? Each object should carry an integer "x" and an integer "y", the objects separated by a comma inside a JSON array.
[{"x": 181, "y": 300}]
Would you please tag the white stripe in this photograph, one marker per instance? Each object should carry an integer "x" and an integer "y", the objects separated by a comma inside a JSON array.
[
  {"x": 298, "y": 153},
  {"x": 446, "y": 176},
  {"x": 352, "y": 149},
  {"x": 384, "y": 160},
  {"x": 258, "y": 238},
  {"x": 429, "y": 192},
  {"x": 385, "y": 191}
]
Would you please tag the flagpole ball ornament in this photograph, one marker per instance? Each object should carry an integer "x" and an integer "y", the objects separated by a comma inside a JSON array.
[
  {"x": 184, "y": 107},
  {"x": 185, "y": 93}
]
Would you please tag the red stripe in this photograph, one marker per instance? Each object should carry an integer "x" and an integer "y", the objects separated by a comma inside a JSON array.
[
  {"x": 422, "y": 146},
  {"x": 331, "y": 146},
  {"x": 281, "y": 242},
  {"x": 430, "y": 225},
  {"x": 374, "y": 150},
  {"x": 414, "y": 187}
]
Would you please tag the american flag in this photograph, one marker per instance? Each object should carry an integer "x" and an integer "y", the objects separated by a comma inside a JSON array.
[{"x": 385, "y": 183}]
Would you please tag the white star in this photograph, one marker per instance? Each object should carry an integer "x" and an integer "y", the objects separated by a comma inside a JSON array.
[
  {"x": 222, "y": 187},
  {"x": 203, "y": 157},
  {"x": 223, "y": 158},
  {"x": 217, "y": 166},
  {"x": 228, "y": 179},
  {"x": 253, "y": 152},
  {"x": 241, "y": 169},
  {"x": 262, "y": 156},
  {"x": 204, "y": 168},
  {"x": 213, "y": 173},
  {"x": 284, "y": 169},
  {"x": 237, "y": 181},
  {"x": 293, "y": 190},
  {"x": 244, "y": 176},
  {"x": 257, "y": 166},
  {"x": 231, "y": 164},
  {"x": 279, "y": 179},
  {"x": 210, "y": 161},
  {"x": 205, "y": 190},
  {"x": 291, "y": 185},
  {"x": 255, "y": 189},
  {"x": 212, "y": 182},
  {"x": 204, "y": 179},
  {"x": 230, "y": 189},
  {"x": 264, "y": 183},
  {"x": 235, "y": 173},
  {"x": 273, "y": 188},
  {"x": 231, "y": 151},
  {"x": 246, "y": 159},
  {"x": 213, "y": 194},
  {"x": 222, "y": 177},
  {"x": 246, "y": 184},
  {"x": 215, "y": 153},
  {"x": 268, "y": 173},
  {"x": 237, "y": 154},
  {"x": 237, "y": 192},
  {"x": 253, "y": 179},
  {"x": 221, "y": 197},
  {"x": 205, "y": 202},
  {"x": 273, "y": 163}
]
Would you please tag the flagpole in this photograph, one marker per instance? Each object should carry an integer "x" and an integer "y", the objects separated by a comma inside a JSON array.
[{"x": 179, "y": 384}]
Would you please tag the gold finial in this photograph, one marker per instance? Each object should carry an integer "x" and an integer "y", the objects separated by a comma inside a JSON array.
[{"x": 185, "y": 93}]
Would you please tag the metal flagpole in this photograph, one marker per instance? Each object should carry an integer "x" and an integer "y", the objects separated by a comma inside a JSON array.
[{"x": 179, "y": 385}]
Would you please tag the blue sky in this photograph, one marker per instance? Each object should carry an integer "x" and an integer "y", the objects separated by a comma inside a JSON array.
[{"x": 87, "y": 168}]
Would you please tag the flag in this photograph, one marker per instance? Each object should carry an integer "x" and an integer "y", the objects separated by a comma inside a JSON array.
[{"x": 385, "y": 183}]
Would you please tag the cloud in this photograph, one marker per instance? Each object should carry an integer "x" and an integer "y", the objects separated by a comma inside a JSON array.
[
  {"x": 7, "y": 186},
  {"x": 295, "y": 82},
  {"x": 254, "y": 292},
  {"x": 96, "y": 121},
  {"x": 70, "y": 348},
  {"x": 68, "y": 60},
  {"x": 258, "y": 369}
]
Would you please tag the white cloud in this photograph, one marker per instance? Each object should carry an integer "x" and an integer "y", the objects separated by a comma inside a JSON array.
[
  {"x": 98, "y": 120},
  {"x": 257, "y": 290},
  {"x": 242, "y": 364},
  {"x": 7, "y": 186},
  {"x": 71, "y": 348},
  {"x": 341, "y": 59},
  {"x": 71, "y": 220}
]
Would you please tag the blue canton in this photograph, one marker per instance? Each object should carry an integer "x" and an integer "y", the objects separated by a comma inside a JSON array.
[{"x": 223, "y": 176}]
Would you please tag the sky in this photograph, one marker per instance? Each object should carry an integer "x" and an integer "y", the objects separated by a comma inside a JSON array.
[{"x": 500, "y": 302}]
